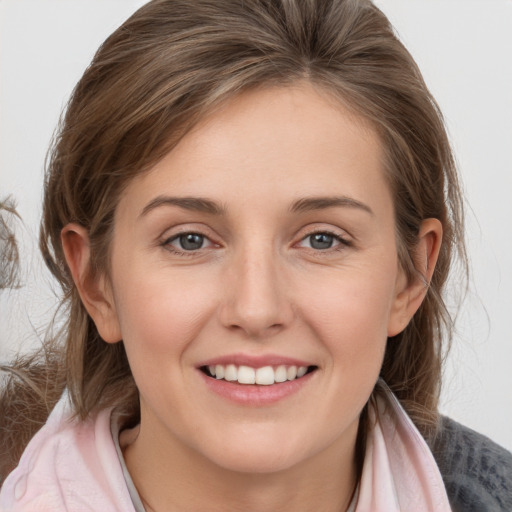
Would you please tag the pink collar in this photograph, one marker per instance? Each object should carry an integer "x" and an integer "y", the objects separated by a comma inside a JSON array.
[
  {"x": 72, "y": 465},
  {"x": 399, "y": 472}
]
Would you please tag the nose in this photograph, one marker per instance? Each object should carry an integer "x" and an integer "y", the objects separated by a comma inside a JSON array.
[{"x": 256, "y": 295}]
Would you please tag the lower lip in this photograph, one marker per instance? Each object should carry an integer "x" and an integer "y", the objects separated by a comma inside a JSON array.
[{"x": 253, "y": 394}]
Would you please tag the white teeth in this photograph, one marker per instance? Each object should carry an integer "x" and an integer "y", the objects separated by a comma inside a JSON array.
[
  {"x": 246, "y": 375},
  {"x": 301, "y": 371},
  {"x": 280, "y": 374},
  {"x": 291, "y": 373},
  {"x": 219, "y": 371},
  {"x": 231, "y": 372},
  {"x": 264, "y": 376}
]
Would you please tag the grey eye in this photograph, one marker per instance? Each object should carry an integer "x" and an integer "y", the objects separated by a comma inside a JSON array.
[
  {"x": 321, "y": 241},
  {"x": 190, "y": 241}
]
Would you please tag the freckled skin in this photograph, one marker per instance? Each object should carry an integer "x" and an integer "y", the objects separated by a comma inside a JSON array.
[{"x": 257, "y": 286}]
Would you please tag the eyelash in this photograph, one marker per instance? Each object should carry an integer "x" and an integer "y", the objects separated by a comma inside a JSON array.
[
  {"x": 167, "y": 243},
  {"x": 343, "y": 243}
]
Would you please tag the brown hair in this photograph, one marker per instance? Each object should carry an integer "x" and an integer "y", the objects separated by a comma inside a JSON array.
[
  {"x": 174, "y": 61},
  {"x": 31, "y": 385},
  {"x": 9, "y": 253}
]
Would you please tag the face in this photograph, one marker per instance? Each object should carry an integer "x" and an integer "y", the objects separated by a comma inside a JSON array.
[{"x": 255, "y": 280}]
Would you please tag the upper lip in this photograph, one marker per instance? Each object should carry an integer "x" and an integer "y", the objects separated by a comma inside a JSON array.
[{"x": 255, "y": 361}]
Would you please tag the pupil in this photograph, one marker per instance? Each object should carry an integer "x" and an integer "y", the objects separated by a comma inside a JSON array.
[
  {"x": 321, "y": 241},
  {"x": 191, "y": 241}
]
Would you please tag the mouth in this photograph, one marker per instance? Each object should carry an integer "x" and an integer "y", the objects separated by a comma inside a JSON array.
[{"x": 263, "y": 376}]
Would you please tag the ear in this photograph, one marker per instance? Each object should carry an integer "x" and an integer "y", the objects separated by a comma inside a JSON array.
[
  {"x": 410, "y": 293},
  {"x": 94, "y": 290}
]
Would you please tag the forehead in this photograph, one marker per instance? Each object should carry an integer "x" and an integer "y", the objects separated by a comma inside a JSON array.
[{"x": 297, "y": 140}]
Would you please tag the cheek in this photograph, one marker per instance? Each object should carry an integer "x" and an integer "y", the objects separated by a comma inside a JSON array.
[
  {"x": 351, "y": 312},
  {"x": 162, "y": 313}
]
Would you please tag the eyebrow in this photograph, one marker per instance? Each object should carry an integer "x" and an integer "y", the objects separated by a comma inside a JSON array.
[
  {"x": 204, "y": 205},
  {"x": 320, "y": 203},
  {"x": 197, "y": 204}
]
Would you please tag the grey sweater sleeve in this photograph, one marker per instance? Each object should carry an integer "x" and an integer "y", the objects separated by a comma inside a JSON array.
[{"x": 476, "y": 471}]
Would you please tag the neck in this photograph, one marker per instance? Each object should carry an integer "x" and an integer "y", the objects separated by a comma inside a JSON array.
[{"x": 171, "y": 477}]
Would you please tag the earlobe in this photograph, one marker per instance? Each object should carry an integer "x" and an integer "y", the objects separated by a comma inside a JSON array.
[
  {"x": 94, "y": 290},
  {"x": 410, "y": 293}
]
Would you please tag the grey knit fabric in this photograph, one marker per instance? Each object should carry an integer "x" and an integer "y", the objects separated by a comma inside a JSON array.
[{"x": 476, "y": 471}]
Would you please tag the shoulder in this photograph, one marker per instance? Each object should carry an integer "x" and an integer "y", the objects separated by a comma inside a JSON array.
[
  {"x": 68, "y": 465},
  {"x": 476, "y": 471}
]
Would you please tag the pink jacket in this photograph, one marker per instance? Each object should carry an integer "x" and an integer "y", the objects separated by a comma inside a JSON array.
[
  {"x": 74, "y": 466},
  {"x": 68, "y": 466}
]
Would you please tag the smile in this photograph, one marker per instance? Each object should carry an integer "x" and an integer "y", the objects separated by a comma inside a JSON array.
[
  {"x": 264, "y": 376},
  {"x": 257, "y": 381}
]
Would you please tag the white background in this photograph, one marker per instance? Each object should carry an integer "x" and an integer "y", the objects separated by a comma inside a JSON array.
[{"x": 464, "y": 48}]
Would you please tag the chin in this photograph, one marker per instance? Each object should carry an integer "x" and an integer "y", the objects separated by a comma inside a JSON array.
[
  {"x": 259, "y": 456},
  {"x": 257, "y": 463}
]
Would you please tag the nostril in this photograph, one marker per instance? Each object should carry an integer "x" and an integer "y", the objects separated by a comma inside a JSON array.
[{"x": 255, "y": 305}]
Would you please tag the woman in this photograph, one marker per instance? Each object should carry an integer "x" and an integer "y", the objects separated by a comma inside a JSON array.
[{"x": 252, "y": 208}]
